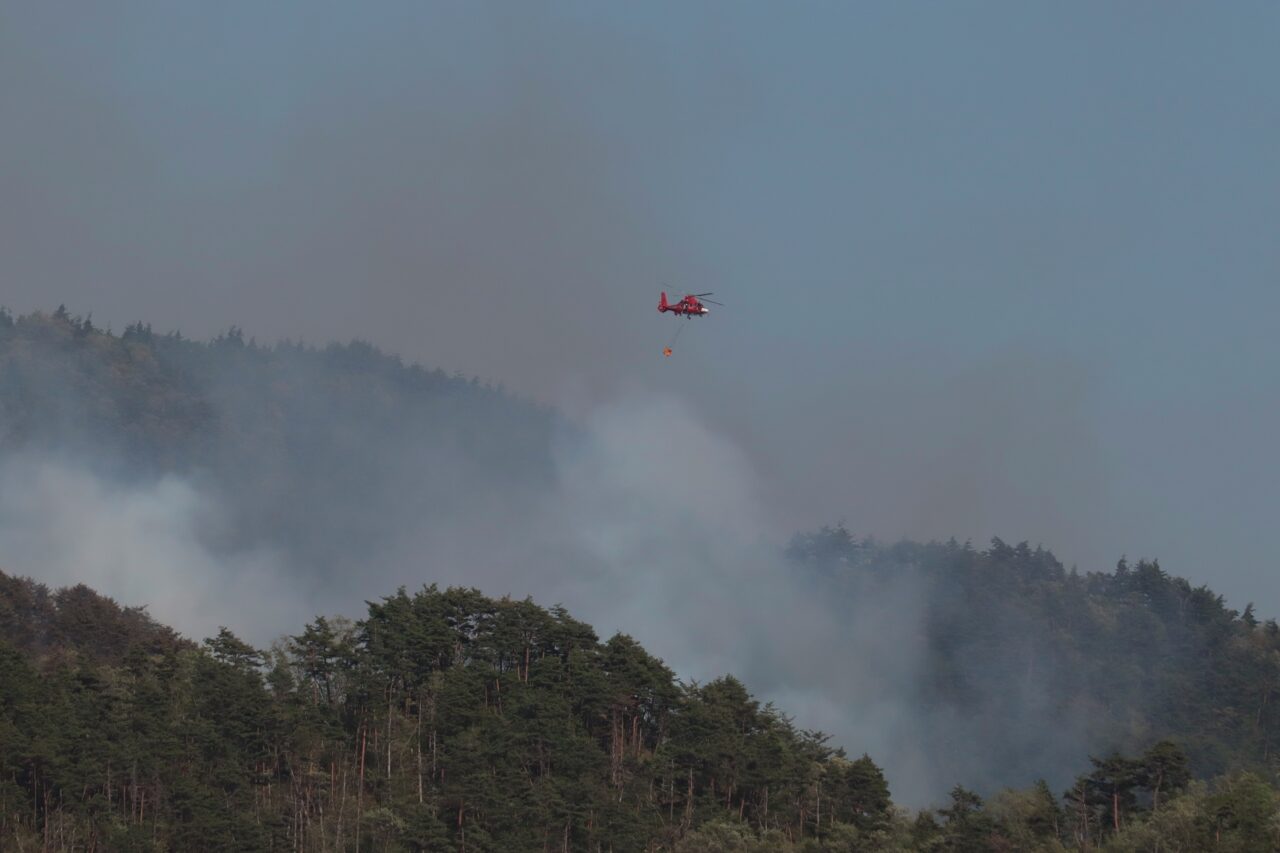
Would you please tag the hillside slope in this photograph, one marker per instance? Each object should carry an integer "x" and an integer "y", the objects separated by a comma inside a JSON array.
[
  {"x": 317, "y": 453},
  {"x": 1001, "y": 667},
  {"x": 443, "y": 720},
  {"x": 1030, "y": 666}
]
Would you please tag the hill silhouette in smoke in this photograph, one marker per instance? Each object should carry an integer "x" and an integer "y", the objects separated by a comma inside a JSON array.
[{"x": 228, "y": 482}]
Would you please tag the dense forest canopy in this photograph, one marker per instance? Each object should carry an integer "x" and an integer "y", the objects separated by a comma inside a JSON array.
[
  {"x": 1048, "y": 663},
  {"x": 311, "y": 449},
  {"x": 446, "y": 720},
  {"x": 1122, "y": 707},
  {"x": 443, "y": 719}
]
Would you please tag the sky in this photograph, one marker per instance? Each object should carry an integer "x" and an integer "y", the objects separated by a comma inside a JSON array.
[{"x": 989, "y": 269}]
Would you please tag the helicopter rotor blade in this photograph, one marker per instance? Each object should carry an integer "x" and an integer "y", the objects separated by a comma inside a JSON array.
[{"x": 713, "y": 302}]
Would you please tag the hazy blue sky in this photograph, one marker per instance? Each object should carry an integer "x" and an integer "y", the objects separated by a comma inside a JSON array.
[{"x": 990, "y": 268}]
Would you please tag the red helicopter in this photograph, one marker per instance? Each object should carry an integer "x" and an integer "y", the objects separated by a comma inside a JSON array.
[{"x": 690, "y": 306}]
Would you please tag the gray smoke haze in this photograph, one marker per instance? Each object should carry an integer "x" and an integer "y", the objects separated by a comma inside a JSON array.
[
  {"x": 651, "y": 524},
  {"x": 921, "y": 264},
  {"x": 976, "y": 286},
  {"x": 63, "y": 525}
]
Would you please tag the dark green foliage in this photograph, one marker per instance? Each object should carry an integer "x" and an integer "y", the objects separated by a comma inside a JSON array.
[
  {"x": 325, "y": 454},
  {"x": 1243, "y": 811},
  {"x": 321, "y": 453},
  {"x": 1163, "y": 769},
  {"x": 967, "y": 828},
  {"x": 862, "y": 795},
  {"x": 443, "y": 719},
  {"x": 1109, "y": 661},
  {"x": 77, "y": 619},
  {"x": 446, "y": 719}
]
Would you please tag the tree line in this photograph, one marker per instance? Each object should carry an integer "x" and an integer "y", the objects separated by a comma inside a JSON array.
[
  {"x": 444, "y": 720},
  {"x": 1113, "y": 660},
  {"x": 447, "y": 720}
]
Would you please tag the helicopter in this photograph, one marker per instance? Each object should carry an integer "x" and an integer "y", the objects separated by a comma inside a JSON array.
[{"x": 690, "y": 306}]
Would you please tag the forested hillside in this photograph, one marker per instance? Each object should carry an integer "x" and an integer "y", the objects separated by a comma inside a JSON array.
[
  {"x": 167, "y": 402},
  {"x": 448, "y": 720},
  {"x": 1051, "y": 664},
  {"x": 445, "y": 720},
  {"x": 317, "y": 452}
]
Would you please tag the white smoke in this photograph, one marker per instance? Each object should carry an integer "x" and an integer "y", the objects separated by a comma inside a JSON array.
[
  {"x": 653, "y": 527},
  {"x": 140, "y": 544}
]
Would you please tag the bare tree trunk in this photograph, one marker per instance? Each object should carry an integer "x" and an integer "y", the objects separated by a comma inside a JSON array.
[
  {"x": 419, "y": 742},
  {"x": 1084, "y": 820},
  {"x": 615, "y": 748},
  {"x": 364, "y": 742},
  {"x": 688, "y": 803},
  {"x": 671, "y": 794},
  {"x": 818, "y": 831},
  {"x": 342, "y": 805}
]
